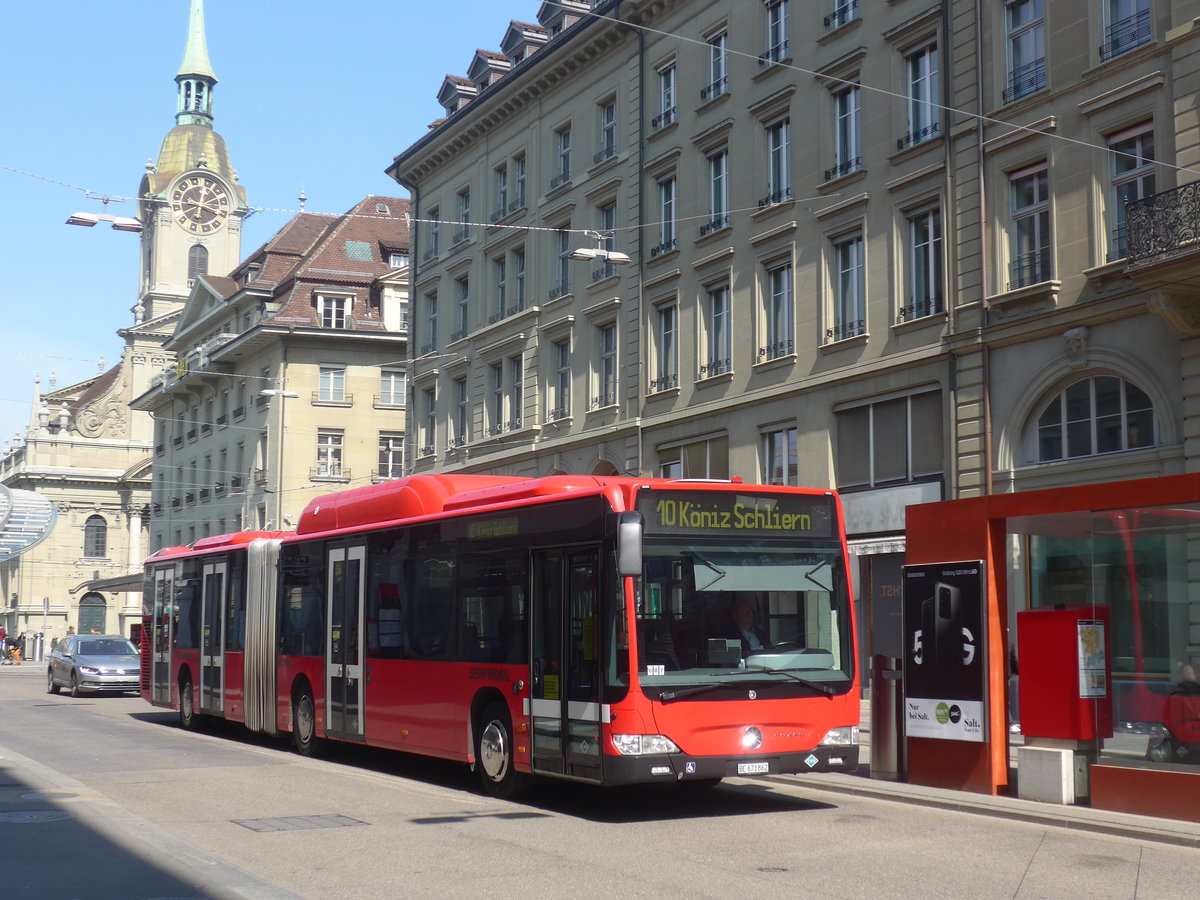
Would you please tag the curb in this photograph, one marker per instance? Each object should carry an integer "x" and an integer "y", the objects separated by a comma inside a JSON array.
[{"x": 1076, "y": 818}]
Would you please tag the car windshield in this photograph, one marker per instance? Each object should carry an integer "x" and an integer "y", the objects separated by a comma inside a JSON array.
[
  {"x": 107, "y": 647},
  {"x": 709, "y": 613}
]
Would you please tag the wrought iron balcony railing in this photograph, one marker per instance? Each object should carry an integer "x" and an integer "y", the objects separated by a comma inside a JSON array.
[
  {"x": 1163, "y": 225},
  {"x": 1026, "y": 80},
  {"x": 716, "y": 89},
  {"x": 715, "y": 367},
  {"x": 775, "y": 197},
  {"x": 842, "y": 14},
  {"x": 919, "y": 309},
  {"x": 775, "y": 54},
  {"x": 845, "y": 330},
  {"x": 1121, "y": 37},
  {"x": 918, "y": 136},
  {"x": 716, "y": 223},
  {"x": 775, "y": 350},
  {"x": 844, "y": 168},
  {"x": 1029, "y": 268}
]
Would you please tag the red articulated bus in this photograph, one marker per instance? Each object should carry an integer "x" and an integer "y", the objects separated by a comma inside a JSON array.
[{"x": 604, "y": 630}]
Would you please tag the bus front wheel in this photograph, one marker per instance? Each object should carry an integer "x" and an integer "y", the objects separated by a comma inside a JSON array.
[
  {"x": 304, "y": 724},
  {"x": 494, "y": 752}
]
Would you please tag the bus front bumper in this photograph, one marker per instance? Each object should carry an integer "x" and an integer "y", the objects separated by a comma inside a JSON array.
[{"x": 682, "y": 767}]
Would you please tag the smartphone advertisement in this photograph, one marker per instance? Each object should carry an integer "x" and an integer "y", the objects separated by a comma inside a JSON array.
[{"x": 945, "y": 668}]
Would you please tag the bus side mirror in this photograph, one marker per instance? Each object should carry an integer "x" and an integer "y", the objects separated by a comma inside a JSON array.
[{"x": 629, "y": 544}]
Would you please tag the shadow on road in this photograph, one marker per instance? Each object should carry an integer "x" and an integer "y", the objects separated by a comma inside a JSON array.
[
  {"x": 641, "y": 803},
  {"x": 39, "y": 831}
]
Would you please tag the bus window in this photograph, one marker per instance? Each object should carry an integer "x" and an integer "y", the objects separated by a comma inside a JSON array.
[
  {"x": 187, "y": 606},
  {"x": 302, "y": 611},
  {"x": 235, "y": 603},
  {"x": 385, "y": 610},
  {"x": 431, "y": 612},
  {"x": 492, "y": 607}
]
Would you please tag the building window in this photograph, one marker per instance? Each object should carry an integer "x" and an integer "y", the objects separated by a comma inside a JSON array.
[
  {"x": 666, "y": 217},
  {"x": 890, "y": 442},
  {"x": 702, "y": 458},
  {"x": 462, "y": 413},
  {"x": 462, "y": 291},
  {"x": 779, "y": 456},
  {"x": 431, "y": 323},
  {"x": 847, "y": 133},
  {"x": 718, "y": 192},
  {"x": 667, "y": 349},
  {"x": 518, "y": 173},
  {"x": 1101, "y": 414},
  {"x": 1128, "y": 27},
  {"x": 500, "y": 177},
  {"x": 666, "y": 97},
  {"x": 608, "y": 227},
  {"x": 332, "y": 384},
  {"x": 608, "y": 130},
  {"x": 95, "y": 537},
  {"x": 329, "y": 452},
  {"x": 391, "y": 387},
  {"x": 923, "y": 264},
  {"x": 391, "y": 454},
  {"x": 924, "y": 112},
  {"x": 464, "y": 215},
  {"x": 496, "y": 406},
  {"x": 562, "y": 265},
  {"x": 434, "y": 231},
  {"x": 718, "y": 341},
  {"x": 516, "y": 393},
  {"x": 779, "y": 163},
  {"x": 197, "y": 262},
  {"x": 718, "y": 66},
  {"x": 778, "y": 314},
  {"x": 561, "y": 386},
  {"x": 334, "y": 312},
  {"x": 606, "y": 366},
  {"x": 1026, "y": 49},
  {"x": 777, "y": 33},
  {"x": 518, "y": 281},
  {"x": 562, "y": 150},
  {"x": 1132, "y": 155},
  {"x": 397, "y": 260},
  {"x": 844, "y": 11},
  {"x": 849, "y": 290},
  {"x": 1030, "y": 199},
  {"x": 499, "y": 289},
  {"x": 428, "y": 421}
]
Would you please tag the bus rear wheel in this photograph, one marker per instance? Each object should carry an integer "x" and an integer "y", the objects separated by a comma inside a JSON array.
[
  {"x": 304, "y": 724},
  {"x": 188, "y": 720},
  {"x": 494, "y": 753}
]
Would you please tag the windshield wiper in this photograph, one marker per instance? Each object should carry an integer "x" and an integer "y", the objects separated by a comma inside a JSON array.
[
  {"x": 668, "y": 696},
  {"x": 721, "y": 573},
  {"x": 809, "y": 575}
]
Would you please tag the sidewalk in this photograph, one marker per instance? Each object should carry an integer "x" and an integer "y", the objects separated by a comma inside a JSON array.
[{"x": 1081, "y": 818}]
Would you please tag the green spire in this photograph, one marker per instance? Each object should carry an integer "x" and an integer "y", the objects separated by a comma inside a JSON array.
[
  {"x": 195, "y": 76},
  {"x": 195, "y": 56}
]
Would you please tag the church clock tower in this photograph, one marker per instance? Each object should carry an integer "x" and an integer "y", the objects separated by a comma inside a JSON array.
[{"x": 190, "y": 202}]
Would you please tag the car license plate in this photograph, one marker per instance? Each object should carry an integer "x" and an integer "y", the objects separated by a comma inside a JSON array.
[{"x": 755, "y": 768}]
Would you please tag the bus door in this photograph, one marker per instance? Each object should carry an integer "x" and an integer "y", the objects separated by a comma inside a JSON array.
[
  {"x": 343, "y": 643},
  {"x": 161, "y": 636},
  {"x": 212, "y": 638},
  {"x": 565, "y": 668}
]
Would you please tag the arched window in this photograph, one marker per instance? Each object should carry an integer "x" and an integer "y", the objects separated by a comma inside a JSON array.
[
  {"x": 95, "y": 537},
  {"x": 197, "y": 262},
  {"x": 1100, "y": 414}
]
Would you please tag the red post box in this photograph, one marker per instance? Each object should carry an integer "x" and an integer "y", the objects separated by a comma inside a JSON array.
[{"x": 1065, "y": 673}]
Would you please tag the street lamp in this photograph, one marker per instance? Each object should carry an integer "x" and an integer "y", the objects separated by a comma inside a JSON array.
[
  {"x": 119, "y": 223},
  {"x": 614, "y": 257}
]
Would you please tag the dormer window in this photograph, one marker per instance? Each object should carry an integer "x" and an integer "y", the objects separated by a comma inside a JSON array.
[
  {"x": 333, "y": 312},
  {"x": 382, "y": 209},
  {"x": 251, "y": 274},
  {"x": 396, "y": 260}
]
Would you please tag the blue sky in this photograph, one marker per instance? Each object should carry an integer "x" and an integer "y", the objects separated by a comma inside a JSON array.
[{"x": 313, "y": 96}]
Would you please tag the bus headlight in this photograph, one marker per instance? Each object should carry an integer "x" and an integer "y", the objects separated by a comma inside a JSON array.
[
  {"x": 844, "y": 736},
  {"x": 643, "y": 744}
]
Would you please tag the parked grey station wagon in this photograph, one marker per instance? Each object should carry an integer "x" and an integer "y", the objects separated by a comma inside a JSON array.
[{"x": 94, "y": 662}]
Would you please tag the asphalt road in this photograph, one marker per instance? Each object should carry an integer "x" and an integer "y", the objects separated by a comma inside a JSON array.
[{"x": 105, "y": 797}]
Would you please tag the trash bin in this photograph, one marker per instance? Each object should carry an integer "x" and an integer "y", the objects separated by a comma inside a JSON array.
[
  {"x": 35, "y": 647},
  {"x": 887, "y": 718}
]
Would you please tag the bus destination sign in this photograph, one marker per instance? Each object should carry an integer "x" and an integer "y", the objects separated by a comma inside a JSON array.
[{"x": 736, "y": 512}]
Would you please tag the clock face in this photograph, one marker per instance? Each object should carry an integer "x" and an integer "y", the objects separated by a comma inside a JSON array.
[{"x": 200, "y": 204}]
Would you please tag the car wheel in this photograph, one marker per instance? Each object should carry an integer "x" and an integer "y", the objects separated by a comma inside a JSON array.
[
  {"x": 51, "y": 685},
  {"x": 74, "y": 683}
]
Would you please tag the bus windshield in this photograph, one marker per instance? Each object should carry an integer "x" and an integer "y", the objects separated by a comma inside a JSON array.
[{"x": 707, "y": 612}]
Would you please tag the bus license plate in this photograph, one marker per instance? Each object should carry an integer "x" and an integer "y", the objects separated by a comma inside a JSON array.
[{"x": 755, "y": 768}]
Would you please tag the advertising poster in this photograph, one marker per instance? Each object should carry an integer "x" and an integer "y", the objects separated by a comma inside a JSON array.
[
  {"x": 945, "y": 664},
  {"x": 1092, "y": 682}
]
